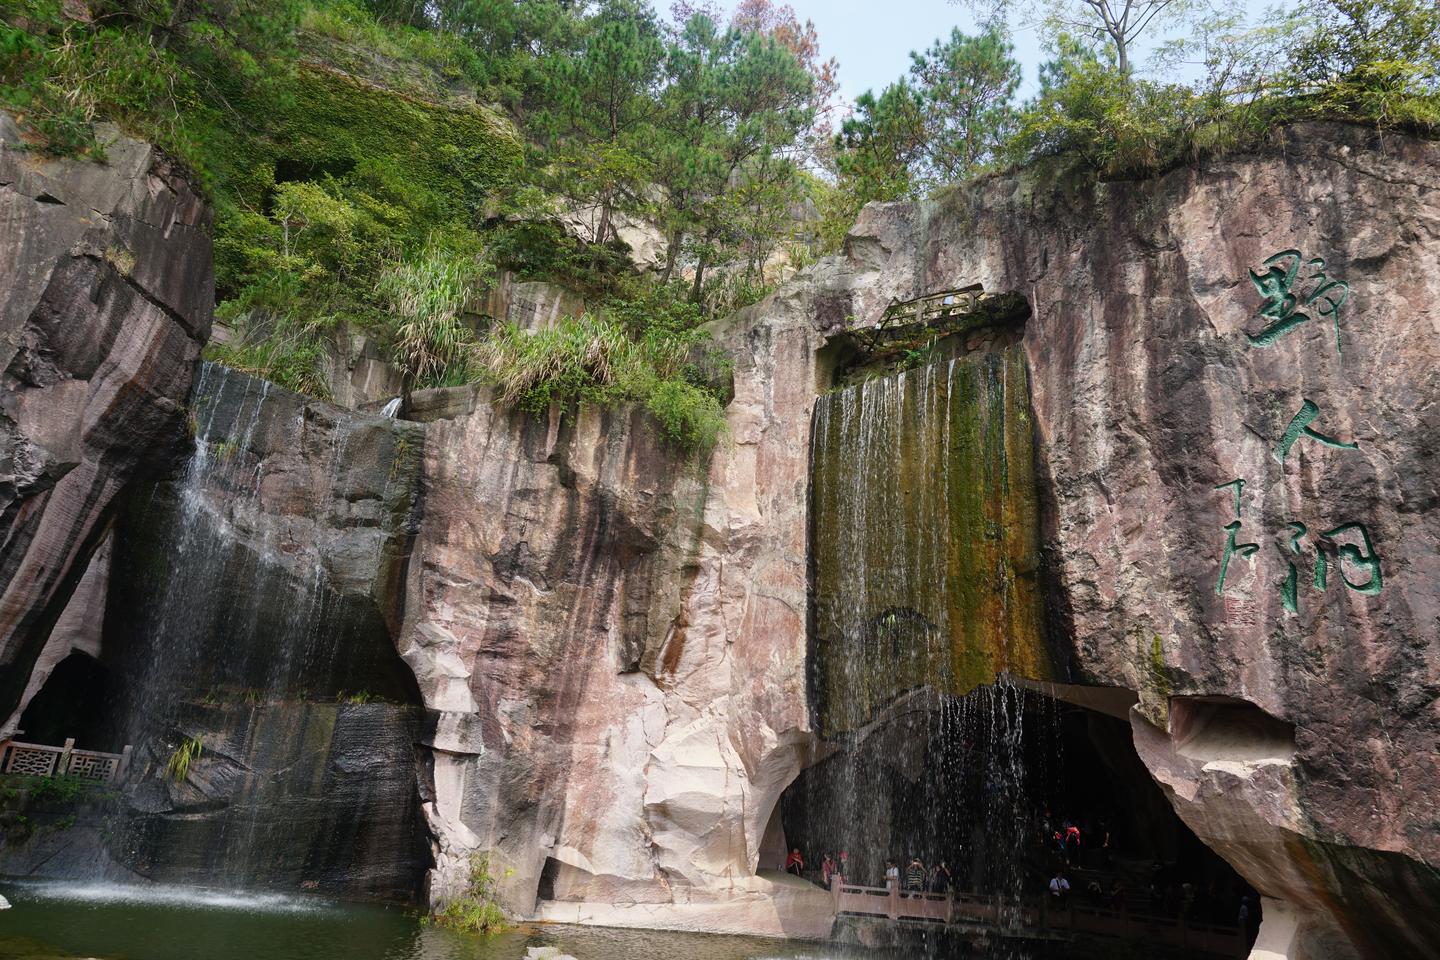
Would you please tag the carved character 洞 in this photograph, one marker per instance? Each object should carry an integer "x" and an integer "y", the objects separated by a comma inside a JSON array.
[{"x": 1365, "y": 557}]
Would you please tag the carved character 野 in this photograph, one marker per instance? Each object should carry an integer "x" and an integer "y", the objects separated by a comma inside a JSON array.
[{"x": 1282, "y": 302}]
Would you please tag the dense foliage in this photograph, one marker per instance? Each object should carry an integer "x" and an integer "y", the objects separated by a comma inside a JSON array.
[
  {"x": 375, "y": 164},
  {"x": 1372, "y": 61}
]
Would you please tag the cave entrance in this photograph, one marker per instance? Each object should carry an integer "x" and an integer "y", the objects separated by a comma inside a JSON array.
[
  {"x": 990, "y": 784},
  {"x": 76, "y": 701}
]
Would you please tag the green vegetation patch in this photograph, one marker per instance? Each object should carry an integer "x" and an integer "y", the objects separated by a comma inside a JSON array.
[
  {"x": 478, "y": 909},
  {"x": 594, "y": 359}
]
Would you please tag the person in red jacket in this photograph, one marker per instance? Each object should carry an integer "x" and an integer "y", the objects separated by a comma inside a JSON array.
[{"x": 795, "y": 863}]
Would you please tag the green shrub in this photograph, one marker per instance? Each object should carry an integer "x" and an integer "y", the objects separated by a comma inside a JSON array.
[
  {"x": 286, "y": 351},
  {"x": 1371, "y": 61},
  {"x": 478, "y": 909},
  {"x": 1111, "y": 121},
  {"x": 595, "y": 359},
  {"x": 65, "y": 789},
  {"x": 687, "y": 414}
]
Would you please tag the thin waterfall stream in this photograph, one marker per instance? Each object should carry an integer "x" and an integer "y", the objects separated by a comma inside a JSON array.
[{"x": 274, "y": 724}]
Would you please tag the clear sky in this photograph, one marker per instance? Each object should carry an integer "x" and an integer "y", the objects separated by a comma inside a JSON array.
[{"x": 872, "y": 39}]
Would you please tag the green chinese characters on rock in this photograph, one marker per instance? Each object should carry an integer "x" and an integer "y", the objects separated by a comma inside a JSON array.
[
  {"x": 1347, "y": 547},
  {"x": 1300, "y": 427},
  {"x": 1361, "y": 555},
  {"x": 1286, "y": 291},
  {"x": 1232, "y": 529}
]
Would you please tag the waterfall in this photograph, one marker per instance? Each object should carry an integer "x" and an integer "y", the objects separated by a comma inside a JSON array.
[
  {"x": 925, "y": 550},
  {"x": 219, "y": 567},
  {"x": 249, "y": 618},
  {"x": 924, "y": 536}
]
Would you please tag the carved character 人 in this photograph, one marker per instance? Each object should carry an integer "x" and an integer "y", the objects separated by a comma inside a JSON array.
[{"x": 1300, "y": 426}]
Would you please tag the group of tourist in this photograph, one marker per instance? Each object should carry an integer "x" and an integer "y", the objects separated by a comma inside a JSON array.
[
  {"x": 915, "y": 878},
  {"x": 1065, "y": 838}
]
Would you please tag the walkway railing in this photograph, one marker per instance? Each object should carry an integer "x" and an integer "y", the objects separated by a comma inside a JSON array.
[
  {"x": 42, "y": 760},
  {"x": 1040, "y": 918}
]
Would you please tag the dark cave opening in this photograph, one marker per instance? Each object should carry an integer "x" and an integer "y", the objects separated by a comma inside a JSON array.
[
  {"x": 74, "y": 702},
  {"x": 991, "y": 785}
]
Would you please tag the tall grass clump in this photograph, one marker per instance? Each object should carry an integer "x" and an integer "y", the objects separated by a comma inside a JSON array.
[
  {"x": 427, "y": 295},
  {"x": 478, "y": 909},
  {"x": 178, "y": 767},
  {"x": 593, "y": 358}
]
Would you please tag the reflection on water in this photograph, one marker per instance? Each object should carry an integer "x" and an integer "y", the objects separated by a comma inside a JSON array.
[{"x": 110, "y": 922}]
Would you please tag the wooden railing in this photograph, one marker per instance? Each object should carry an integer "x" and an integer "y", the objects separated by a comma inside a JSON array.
[
  {"x": 1039, "y": 918},
  {"x": 42, "y": 760}
]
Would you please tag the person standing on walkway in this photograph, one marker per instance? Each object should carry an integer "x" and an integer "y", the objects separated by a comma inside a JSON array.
[
  {"x": 892, "y": 874},
  {"x": 940, "y": 878},
  {"x": 915, "y": 876}
]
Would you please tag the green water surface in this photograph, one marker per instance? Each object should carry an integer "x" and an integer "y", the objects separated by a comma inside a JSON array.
[{"x": 67, "y": 920}]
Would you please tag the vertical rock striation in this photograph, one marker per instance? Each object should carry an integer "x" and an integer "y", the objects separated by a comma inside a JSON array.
[
  {"x": 1290, "y": 710},
  {"x": 106, "y": 291}
]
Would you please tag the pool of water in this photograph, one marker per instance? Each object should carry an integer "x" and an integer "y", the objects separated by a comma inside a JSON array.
[{"x": 66, "y": 920}]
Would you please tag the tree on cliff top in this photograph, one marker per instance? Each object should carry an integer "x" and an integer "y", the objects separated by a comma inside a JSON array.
[
  {"x": 1377, "y": 58},
  {"x": 946, "y": 121},
  {"x": 968, "y": 88},
  {"x": 1111, "y": 25},
  {"x": 736, "y": 104},
  {"x": 604, "y": 99}
]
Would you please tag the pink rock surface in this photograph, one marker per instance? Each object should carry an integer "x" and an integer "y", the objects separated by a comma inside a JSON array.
[{"x": 106, "y": 289}]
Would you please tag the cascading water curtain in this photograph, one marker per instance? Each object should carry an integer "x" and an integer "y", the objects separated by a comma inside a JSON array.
[
  {"x": 925, "y": 552},
  {"x": 233, "y": 615}
]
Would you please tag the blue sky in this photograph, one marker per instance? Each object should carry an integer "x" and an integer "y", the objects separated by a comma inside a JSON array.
[{"x": 873, "y": 38}]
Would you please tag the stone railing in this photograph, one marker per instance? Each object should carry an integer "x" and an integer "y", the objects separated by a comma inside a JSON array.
[
  {"x": 41, "y": 760},
  {"x": 891, "y": 902},
  {"x": 1039, "y": 919}
]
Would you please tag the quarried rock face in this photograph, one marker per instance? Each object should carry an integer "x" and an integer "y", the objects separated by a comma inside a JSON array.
[
  {"x": 1233, "y": 383},
  {"x": 106, "y": 291},
  {"x": 615, "y": 643},
  {"x": 614, "y": 637}
]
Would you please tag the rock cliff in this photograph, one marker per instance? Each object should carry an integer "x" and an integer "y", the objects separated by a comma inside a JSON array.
[
  {"x": 1232, "y": 405},
  {"x": 248, "y": 601},
  {"x": 1269, "y": 319},
  {"x": 608, "y": 636},
  {"x": 106, "y": 292}
]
